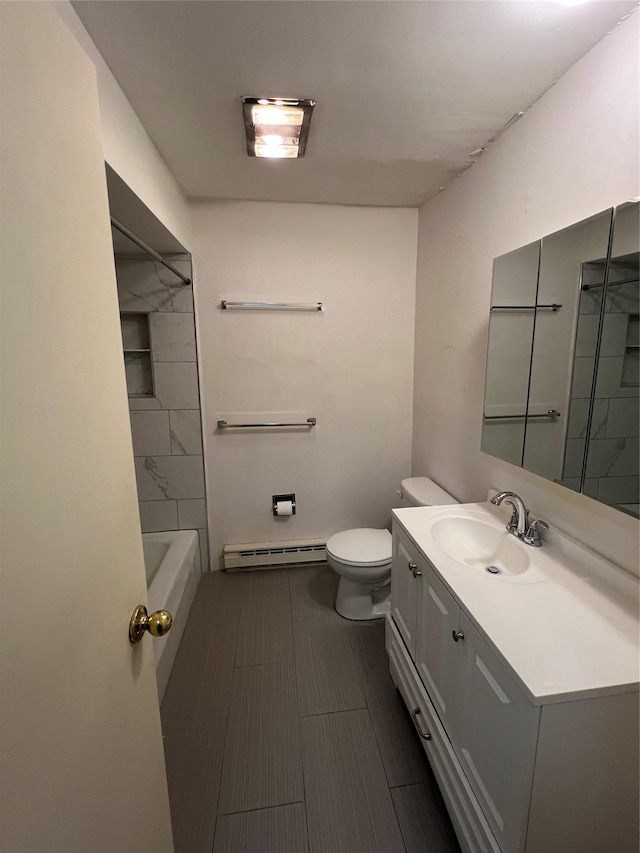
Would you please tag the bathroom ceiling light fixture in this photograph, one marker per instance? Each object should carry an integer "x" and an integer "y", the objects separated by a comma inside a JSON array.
[{"x": 277, "y": 127}]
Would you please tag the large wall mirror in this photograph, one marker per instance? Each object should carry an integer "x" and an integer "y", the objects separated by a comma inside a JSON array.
[{"x": 561, "y": 393}]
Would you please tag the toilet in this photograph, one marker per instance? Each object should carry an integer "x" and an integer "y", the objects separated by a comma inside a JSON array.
[{"x": 362, "y": 556}]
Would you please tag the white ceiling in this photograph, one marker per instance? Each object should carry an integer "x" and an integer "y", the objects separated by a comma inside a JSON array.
[{"x": 405, "y": 91}]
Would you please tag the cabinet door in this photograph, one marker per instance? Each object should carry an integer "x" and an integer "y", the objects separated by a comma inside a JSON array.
[
  {"x": 404, "y": 586},
  {"x": 497, "y": 731},
  {"x": 437, "y": 652}
]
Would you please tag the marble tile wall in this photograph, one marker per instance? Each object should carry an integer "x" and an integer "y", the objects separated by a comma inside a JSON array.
[
  {"x": 166, "y": 426},
  {"x": 613, "y": 457}
]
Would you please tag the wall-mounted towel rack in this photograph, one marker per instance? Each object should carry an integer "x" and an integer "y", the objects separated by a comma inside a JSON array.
[
  {"x": 554, "y": 306},
  {"x": 551, "y": 413},
  {"x": 310, "y": 422},
  {"x": 225, "y": 305}
]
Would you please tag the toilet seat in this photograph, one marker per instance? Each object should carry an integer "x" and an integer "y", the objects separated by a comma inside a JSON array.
[{"x": 363, "y": 546}]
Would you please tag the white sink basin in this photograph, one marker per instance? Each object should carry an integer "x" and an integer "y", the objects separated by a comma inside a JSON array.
[{"x": 485, "y": 546}]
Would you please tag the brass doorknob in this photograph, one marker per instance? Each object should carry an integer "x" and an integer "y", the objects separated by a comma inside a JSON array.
[{"x": 157, "y": 624}]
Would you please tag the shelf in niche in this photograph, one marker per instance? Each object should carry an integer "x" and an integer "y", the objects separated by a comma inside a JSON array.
[
  {"x": 135, "y": 331},
  {"x": 136, "y": 342}
]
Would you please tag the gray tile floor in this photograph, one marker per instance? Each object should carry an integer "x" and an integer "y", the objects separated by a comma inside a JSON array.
[{"x": 283, "y": 732}]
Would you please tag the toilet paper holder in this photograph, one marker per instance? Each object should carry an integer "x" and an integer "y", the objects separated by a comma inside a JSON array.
[{"x": 275, "y": 499}]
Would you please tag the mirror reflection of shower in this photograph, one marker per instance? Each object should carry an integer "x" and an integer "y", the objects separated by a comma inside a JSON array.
[{"x": 610, "y": 469}]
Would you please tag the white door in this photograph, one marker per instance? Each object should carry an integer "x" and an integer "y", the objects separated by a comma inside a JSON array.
[{"x": 81, "y": 767}]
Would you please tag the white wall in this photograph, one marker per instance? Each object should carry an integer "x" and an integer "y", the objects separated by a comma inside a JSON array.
[
  {"x": 573, "y": 154},
  {"x": 350, "y": 366},
  {"x": 128, "y": 149}
]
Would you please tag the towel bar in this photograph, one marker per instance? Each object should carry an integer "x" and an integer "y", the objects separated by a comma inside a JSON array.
[
  {"x": 554, "y": 306},
  {"x": 310, "y": 422},
  {"x": 272, "y": 306}
]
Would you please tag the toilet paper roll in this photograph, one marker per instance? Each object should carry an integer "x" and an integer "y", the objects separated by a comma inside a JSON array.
[{"x": 284, "y": 508}]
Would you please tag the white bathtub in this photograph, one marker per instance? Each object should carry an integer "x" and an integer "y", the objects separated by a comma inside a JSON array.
[{"x": 172, "y": 565}]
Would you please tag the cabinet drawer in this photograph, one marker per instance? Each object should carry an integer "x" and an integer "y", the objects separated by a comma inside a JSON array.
[{"x": 472, "y": 829}]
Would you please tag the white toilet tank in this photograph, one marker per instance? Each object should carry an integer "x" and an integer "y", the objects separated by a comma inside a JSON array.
[{"x": 421, "y": 491}]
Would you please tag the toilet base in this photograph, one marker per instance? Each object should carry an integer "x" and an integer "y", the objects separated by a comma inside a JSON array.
[{"x": 358, "y": 601}]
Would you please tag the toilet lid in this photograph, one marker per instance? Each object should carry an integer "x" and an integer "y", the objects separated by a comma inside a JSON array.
[{"x": 364, "y": 546}]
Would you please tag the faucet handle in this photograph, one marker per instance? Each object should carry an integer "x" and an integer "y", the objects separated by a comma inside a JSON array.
[
  {"x": 532, "y": 536},
  {"x": 512, "y": 524}
]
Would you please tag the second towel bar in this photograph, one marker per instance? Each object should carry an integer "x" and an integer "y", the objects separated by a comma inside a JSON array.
[
  {"x": 310, "y": 422},
  {"x": 550, "y": 413}
]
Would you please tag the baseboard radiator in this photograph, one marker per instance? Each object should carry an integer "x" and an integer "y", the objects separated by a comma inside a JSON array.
[{"x": 264, "y": 555}]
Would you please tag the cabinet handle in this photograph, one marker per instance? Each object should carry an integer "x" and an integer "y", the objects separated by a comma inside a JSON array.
[
  {"x": 457, "y": 635},
  {"x": 423, "y": 735},
  {"x": 417, "y": 573},
  {"x": 412, "y": 567}
]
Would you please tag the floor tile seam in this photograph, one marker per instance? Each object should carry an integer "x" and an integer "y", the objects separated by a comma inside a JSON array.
[
  {"x": 298, "y": 663},
  {"x": 394, "y": 811},
  {"x": 262, "y": 808},
  {"x": 370, "y": 698},
  {"x": 304, "y": 781},
  {"x": 373, "y": 714},
  {"x": 263, "y": 663},
  {"x": 331, "y": 713},
  {"x": 223, "y": 761},
  {"x": 399, "y": 822},
  {"x": 380, "y": 756}
]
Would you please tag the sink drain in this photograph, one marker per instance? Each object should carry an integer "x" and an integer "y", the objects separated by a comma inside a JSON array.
[{"x": 493, "y": 570}]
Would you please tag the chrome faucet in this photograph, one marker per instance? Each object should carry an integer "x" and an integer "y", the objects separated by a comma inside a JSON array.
[{"x": 519, "y": 525}]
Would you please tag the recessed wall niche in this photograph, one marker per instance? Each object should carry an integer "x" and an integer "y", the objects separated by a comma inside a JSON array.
[{"x": 138, "y": 364}]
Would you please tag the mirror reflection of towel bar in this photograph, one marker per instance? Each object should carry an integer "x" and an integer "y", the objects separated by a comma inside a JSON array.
[
  {"x": 310, "y": 422},
  {"x": 551, "y": 413},
  {"x": 610, "y": 283}
]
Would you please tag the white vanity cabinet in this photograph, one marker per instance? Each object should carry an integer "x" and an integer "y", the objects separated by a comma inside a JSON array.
[{"x": 516, "y": 775}]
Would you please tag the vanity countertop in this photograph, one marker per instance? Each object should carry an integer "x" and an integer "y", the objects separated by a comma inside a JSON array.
[{"x": 571, "y": 633}]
